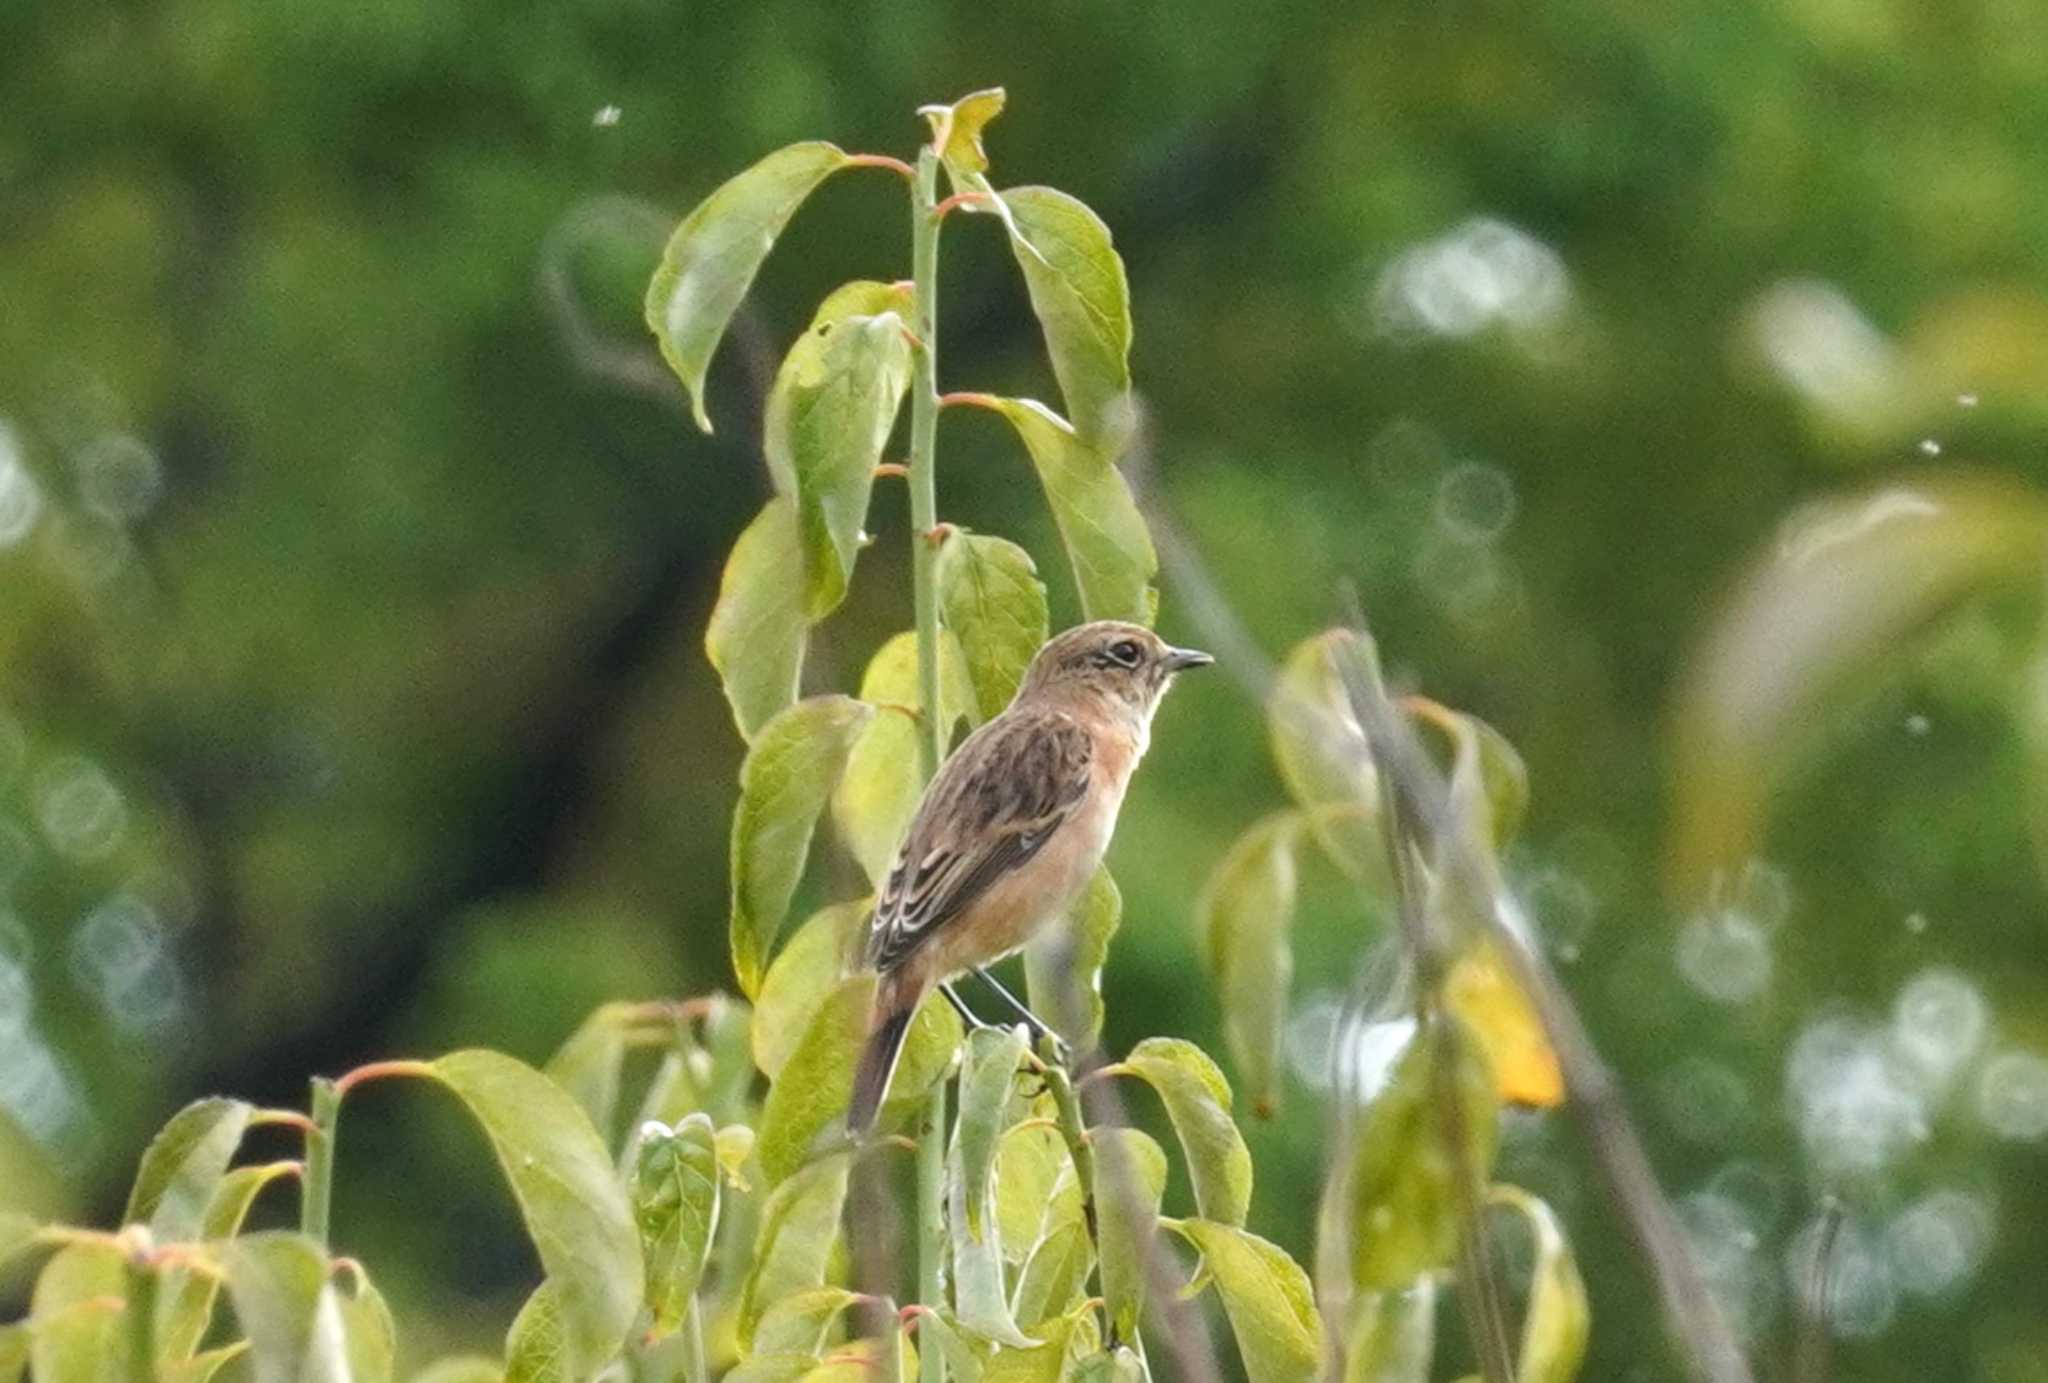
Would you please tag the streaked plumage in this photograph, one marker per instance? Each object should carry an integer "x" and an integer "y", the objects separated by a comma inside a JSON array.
[{"x": 1012, "y": 826}]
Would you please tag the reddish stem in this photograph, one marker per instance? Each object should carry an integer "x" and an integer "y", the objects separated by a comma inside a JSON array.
[
  {"x": 378, "y": 1070},
  {"x": 959, "y": 199},
  {"x": 894, "y": 165},
  {"x": 970, "y": 399},
  {"x": 888, "y": 468}
]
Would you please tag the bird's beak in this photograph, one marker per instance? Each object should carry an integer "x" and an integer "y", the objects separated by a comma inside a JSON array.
[{"x": 1180, "y": 659}]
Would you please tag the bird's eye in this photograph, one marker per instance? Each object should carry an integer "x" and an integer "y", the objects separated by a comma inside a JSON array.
[{"x": 1126, "y": 651}]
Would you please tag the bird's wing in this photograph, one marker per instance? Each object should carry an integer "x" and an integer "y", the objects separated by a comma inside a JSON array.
[{"x": 1007, "y": 791}]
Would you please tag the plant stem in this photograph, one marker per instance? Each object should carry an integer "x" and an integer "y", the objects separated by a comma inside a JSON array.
[
  {"x": 924, "y": 521},
  {"x": 1075, "y": 1131},
  {"x": 924, "y": 430},
  {"x": 317, "y": 1196},
  {"x": 141, "y": 1317}
]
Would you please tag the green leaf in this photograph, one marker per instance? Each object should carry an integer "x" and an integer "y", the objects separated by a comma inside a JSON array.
[
  {"x": 1557, "y": 1319},
  {"x": 1244, "y": 919},
  {"x": 829, "y": 415},
  {"x": 75, "y": 1317},
  {"x": 182, "y": 1165},
  {"x": 980, "y": 1302},
  {"x": 202, "y": 1367},
  {"x": 714, "y": 254},
  {"x": 574, "y": 1207},
  {"x": 1121, "y": 1365},
  {"x": 800, "y": 1324},
  {"x": 816, "y": 1084},
  {"x": 537, "y": 1347},
  {"x": 1197, "y": 1100},
  {"x": 805, "y": 971},
  {"x": 1485, "y": 769},
  {"x": 1083, "y": 304},
  {"x": 370, "y": 1334},
  {"x": 1104, "y": 534},
  {"x": 1063, "y": 965},
  {"x": 986, "y": 1078},
  {"x": 1322, "y": 754},
  {"x": 994, "y": 603},
  {"x": 461, "y": 1368},
  {"x": 1070, "y": 1340},
  {"x": 1054, "y": 1276},
  {"x": 1036, "y": 1189},
  {"x": 1266, "y": 1295},
  {"x": 589, "y": 1063},
  {"x": 17, "y": 1235},
  {"x": 783, "y": 1367},
  {"x": 675, "y": 1203},
  {"x": 883, "y": 782},
  {"x": 14, "y": 1351},
  {"x": 1391, "y": 1336},
  {"x": 1130, "y": 1178},
  {"x": 956, "y": 129},
  {"x": 799, "y": 1226},
  {"x": 757, "y": 631},
  {"x": 789, "y": 773},
  {"x": 965, "y": 1359},
  {"x": 288, "y": 1309},
  {"x": 186, "y": 1302},
  {"x": 1395, "y": 1194}
]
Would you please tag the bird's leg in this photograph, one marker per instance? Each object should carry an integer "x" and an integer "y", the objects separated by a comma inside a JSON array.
[
  {"x": 1037, "y": 1026},
  {"x": 959, "y": 1004}
]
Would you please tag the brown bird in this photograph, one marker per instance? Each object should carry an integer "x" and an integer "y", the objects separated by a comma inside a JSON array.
[{"x": 1011, "y": 828}]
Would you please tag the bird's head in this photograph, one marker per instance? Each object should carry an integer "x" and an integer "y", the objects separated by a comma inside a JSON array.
[{"x": 1125, "y": 668}]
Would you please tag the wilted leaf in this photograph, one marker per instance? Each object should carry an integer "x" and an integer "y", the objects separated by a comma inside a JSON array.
[
  {"x": 181, "y": 1167},
  {"x": 799, "y": 1324},
  {"x": 1396, "y": 1195},
  {"x": 712, "y": 257},
  {"x": 77, "y": 1310},
  {"x": 799, "y": 1225},
  {"x": 816, "y": 1083},
  {"x": 1083, "y": 304},
  {"x": 829, "y": 414},
  {"x": 371, "y": 1336},
  {"x": 994, "y": 603},
  {"x": 1130, "y": 1178},
  {"x": 1266, "y": 1295},
  {"x": 187, "y": 1298},
  {"x": 1818, "y": 622},
  {"x": 1243, "y": 924},
  {"x": 1483, "y": 992},
  {"x": 1104, "y": 534},
  {"x": 1197, "y": 1100},
  {"x": 986, "y": 1076},
  {"x": 1499, "y": 778},
  {"x": 956, "y": 129},
  {"x": 1063, "y": 965},
  {"x": 757, "y": 631},
  {"x": 1391, "y": 1336},
  {"x": 570, "y": 1198},
  {"x": 1322, "y": 754},
  {"x": 1557, "y": 1320},
  {"x": 789, "y": 773},
  {"x": 884, "y": 778},
  {"x": 675, "y": 1204},
  {"x": 803, "y": 975},
  {"x": 288, "y": 1309}
]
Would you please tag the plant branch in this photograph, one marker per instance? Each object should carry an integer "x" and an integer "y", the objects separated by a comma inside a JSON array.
[{"x": 316, "y": 1195}]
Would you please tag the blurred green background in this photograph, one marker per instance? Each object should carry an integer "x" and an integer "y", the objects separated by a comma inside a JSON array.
[{"x": 355, "y": 554}]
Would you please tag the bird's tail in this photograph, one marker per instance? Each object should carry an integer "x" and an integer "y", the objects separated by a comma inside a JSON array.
[{"x": 888, "y": 1024}]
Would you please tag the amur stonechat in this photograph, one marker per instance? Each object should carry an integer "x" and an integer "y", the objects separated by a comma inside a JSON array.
[{"x": 1011, "y": 829}]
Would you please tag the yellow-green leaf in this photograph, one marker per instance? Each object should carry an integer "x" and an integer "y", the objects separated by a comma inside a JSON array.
[
  {"x": 1120, "y": 1365},
  {"x": 1197, "y": 1100},
  {"x": 956, "y": 129},
  {"x": 1396, "y": 1192},
  {"x": 14, "y": 1351},
  {"x": 1557, "y": 1319},
  {"x": 1322, "y": 754},
  {"x": 537, "y": 1349},
  {"x": 1130, "y": 1178},
  {"x": 804, "y": 973},
  {"x": 1391, "y": 1336},
  {"x": 712, "y": 257},
  {"x": 589, "y": 1063},
  {"x": 461, "y": 1368},
  {"x": 1266, "y": 1295},
  {"x": 200, "y": 1368},
  {"x": 1083, "y": 304},
  {"x": 1104, "y": 534},
  {"x": 788, "y": 775},
  {"x": 758, "y": 630},
  {"x": 183, "y": 1165},
  {"x": 879, "y": 791},
  {"x": 571, "y": 1199},
  {"x": 1063, "y": 966},
  {"x": 829, "y": 415},
  {"x": 986, "y": 1076},
  {"x": 980, "y": 1303},
  {"x": 75, "y": 1316},
  {"x": 994, "y": 603},
  {"x": 1244, "y": 919},
  {"x": 368, "y": 1331},
  {"x": 799, "y": 1225},
  {"x": 1036, "y": 1190},
  {"x": 799, "y": 1324},
  {"x": 675, "y": 1205},
  {"x": 185, "y": 1303},
  {"x": 288, "y": 1309},
  {"x": 1054, "y": 1276}
]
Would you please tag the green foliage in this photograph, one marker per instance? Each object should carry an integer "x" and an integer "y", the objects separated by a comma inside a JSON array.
[{"x": 675, "y": 1205}]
